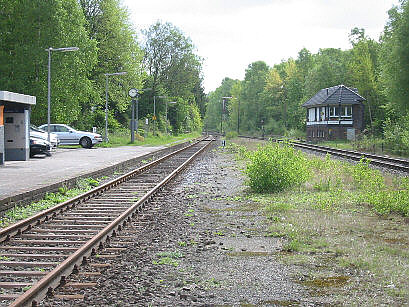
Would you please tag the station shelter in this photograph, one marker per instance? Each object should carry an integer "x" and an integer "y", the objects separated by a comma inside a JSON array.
[{"x": 15, "y": 112}]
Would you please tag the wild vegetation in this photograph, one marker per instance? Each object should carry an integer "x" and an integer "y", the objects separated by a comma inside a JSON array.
[
  {"x": 108, "y": 43},
  {"x": 50, "y": 200},
  {"x": 269, "y": 99},
  {"x": 278, "y": 167},
  {"x": 345, "y": 228}
]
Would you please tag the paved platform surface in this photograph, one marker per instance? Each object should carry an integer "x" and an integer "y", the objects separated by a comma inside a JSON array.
[{"x": 17, "y": 177}]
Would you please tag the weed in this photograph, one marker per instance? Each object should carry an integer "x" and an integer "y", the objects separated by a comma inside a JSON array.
[
  {"x": 182, "y": 243},
  {"x": 274, "y": 168},
  {"x": 175, "y": 254},
  {"x": 50, "y": 199},
  {"x": 168, "y": 258},
  {"x": 26, "y": 288}
]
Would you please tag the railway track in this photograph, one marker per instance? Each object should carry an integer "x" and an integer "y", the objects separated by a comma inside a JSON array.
[
  {"x": 37, "y": 254},
  {"x": 378, "y": 160}
]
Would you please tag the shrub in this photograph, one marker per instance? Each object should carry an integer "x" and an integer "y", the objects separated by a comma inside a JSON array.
[
  {"x": 275, "y": 167},
  {"x": 231, "y": 135}
]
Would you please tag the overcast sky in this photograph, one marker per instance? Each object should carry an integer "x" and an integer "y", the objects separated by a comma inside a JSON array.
[{"x": 231, "y": 34}]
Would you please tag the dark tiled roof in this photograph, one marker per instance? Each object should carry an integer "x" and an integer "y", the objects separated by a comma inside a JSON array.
[{"x": 335, "y": 95}]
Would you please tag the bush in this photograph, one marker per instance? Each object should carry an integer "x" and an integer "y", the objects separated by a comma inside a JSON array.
[
  {"x": 275, "y": 167},
  {"x": 231, "y": 135}
]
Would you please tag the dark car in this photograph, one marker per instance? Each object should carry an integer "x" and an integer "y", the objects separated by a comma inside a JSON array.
[{"x": 39, "y": 146}]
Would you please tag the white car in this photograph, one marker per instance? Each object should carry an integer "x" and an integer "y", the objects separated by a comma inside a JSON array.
[
  {"x": 41, "y": 134},
  {"x": 70, "y": 136}
]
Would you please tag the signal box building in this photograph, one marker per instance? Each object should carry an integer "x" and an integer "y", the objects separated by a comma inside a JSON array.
[{"x": 335, "y": 113}]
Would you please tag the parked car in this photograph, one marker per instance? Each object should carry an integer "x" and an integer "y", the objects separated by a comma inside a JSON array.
[
  {"x": 42, "y": 134},
  {"x": 70, "y": 136},
  {"x": 39, "y": 146}
]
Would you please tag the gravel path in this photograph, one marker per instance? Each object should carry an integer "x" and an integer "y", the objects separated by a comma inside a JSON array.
[{"x": 201, "y": 243}]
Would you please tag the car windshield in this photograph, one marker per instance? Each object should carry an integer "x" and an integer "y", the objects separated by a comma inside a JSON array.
[{"x": 35, "y": 128}]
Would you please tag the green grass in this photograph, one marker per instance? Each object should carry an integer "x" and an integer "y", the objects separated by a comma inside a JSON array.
[
  {"x": 50, "y": 200},
  {"x": 123, "y": 138}
]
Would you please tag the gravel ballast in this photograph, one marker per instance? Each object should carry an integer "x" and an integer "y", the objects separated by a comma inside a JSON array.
[{"x": 199, "y": 243}]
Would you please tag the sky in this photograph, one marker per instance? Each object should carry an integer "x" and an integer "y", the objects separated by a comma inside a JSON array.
[{"x": 231, "y": 34}]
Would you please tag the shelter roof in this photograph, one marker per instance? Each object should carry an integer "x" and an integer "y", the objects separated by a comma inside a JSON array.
[{"x": 17, "y": 98}]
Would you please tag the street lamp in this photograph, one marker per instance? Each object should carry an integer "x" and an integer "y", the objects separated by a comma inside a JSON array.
[
  {"x": 222, "y": 112},
  {"x": 106, "y": 99},
  {"x": 134, "y": 93},
  {"x": 65, "y": 49},
  {"x": 166, "y": 125}
]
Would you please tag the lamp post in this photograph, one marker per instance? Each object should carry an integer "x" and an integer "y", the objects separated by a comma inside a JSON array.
[
  {"x": 134, "y": 93},
  {"x": 65, "y": 49},
  {"x": 106, "y": 99},
  {"x": 166, "y": 125},
  {"x": 222, "y": 112}
]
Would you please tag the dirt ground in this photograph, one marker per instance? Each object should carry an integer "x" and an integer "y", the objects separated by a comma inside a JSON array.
[{"x": 202, "y": 243}]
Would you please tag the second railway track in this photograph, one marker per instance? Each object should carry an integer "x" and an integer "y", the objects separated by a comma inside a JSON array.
[
  {"x": 398, "y": 164},
  {"x": 37, "y": 254}
]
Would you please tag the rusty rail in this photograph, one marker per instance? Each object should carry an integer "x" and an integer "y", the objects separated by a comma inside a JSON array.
[{"x": 57, "y": 276}]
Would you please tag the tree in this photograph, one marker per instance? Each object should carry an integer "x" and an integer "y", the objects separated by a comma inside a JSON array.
[
  {"x": 27, "y": 28},
  {"x": 329, "y": 69},
  {"x": 363, "y": 69},
  {"x": 395, "y": 60},
  {"x": 108, "y": 23},
  {"x": 252, "y": 98},
  {"x": 173, "y": 67},
  {"x": 213, "y": 116}
]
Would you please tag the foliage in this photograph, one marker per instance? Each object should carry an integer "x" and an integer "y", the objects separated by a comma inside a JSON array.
[
  {"x": 269, "y": 99},
  {"x": 108, "y": 23},
  {"x": 395, "y": 59},
  {"x": 174, "y": 71},
  {"x": 27, "y": 28},
  {"x": 107, "y": 44},
  {"x": 214, "y": 116},
  {"x": 275, "y": 167},
  {"x": 396, "y": 135}
]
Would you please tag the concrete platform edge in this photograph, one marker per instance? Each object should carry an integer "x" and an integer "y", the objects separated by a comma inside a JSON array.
[{"x": 37, "y": 194}]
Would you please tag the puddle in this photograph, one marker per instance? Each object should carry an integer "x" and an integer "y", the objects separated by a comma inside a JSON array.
[{"x": 324, "y": 282}]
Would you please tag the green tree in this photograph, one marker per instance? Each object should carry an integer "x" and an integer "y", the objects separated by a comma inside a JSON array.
[
  {"x": 364, "y": 70},
  {"x": 395, "y": 60},
  {"x": 252, "y": 98},
  {"x": 213, "y": 116},
  {"x": 173, "y": 67},
  {"x": 108, "y": 23},
  {"x": 329, "y": 69},
  {"x": 27, "y": 28}
]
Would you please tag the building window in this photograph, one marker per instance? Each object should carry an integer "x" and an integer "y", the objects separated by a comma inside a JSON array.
[
  {"x": 311, "y": 114},
  {"x": 333, "y": 112},
  {"x": 346, "y": 111}
]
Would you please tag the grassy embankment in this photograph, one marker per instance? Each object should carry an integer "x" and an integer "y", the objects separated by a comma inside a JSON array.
[{"x": 345, "y": 226}]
